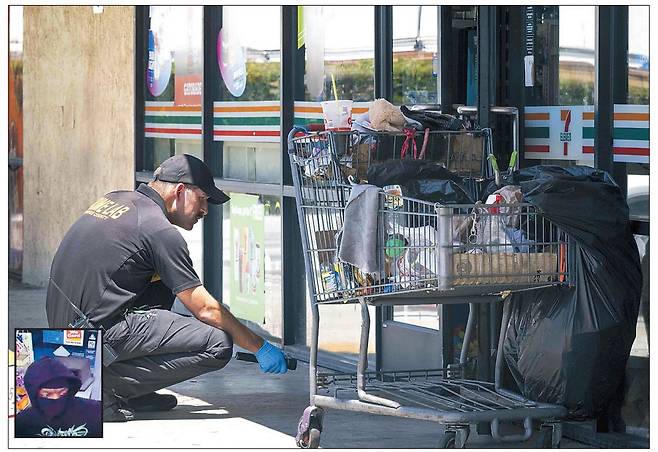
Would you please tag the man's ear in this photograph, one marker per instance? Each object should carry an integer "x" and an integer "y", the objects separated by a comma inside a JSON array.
[{"x": 179, "y": 189}]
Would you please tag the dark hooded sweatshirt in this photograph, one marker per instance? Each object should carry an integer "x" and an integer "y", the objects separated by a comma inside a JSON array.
[{"x": 68, "y": 416}]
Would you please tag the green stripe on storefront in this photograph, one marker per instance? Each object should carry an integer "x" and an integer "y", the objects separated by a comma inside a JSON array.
[
  {"x": 172, "y": 119},
  {"x": 307, "y": 121},
  {"x": 247, "y": 121},
  {"x": 621, "y": 133},
  {"x": 629, "y": 133},
  {"x": 537, "y": 132},
  {"x": 588, "y": 133}
]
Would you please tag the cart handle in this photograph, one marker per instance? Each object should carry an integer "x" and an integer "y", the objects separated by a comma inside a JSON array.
[
  {"x": 291, "y": 136},
  {"x": 527, "y": 425}
]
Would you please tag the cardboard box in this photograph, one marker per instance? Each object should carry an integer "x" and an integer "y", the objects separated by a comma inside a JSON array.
[
  {"x": 466, "y": 154},
  {"x": 502, "y": 268}
]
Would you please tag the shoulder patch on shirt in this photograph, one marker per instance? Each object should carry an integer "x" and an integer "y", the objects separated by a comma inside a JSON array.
[{"x": 105, "y": 209}]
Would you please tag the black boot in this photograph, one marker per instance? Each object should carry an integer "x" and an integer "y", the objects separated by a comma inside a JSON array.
[
  {"x": 114, "y": 409},
  {"x": 152, "y": 402}
]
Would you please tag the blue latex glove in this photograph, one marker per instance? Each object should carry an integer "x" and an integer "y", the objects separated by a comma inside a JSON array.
[{"x": 271, "y": 359}]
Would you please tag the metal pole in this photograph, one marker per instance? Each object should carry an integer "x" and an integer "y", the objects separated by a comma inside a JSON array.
[
  {"x": 620, "y": 79},
  {"x": 383, "y": 89},
  {"x": 603, "y": 75},
  {"x": 487, "y": 68},
  {"x": 292, "y": 267},
  {"x": 212, "y": 153},
  {"x": 447, "y": 89},
  {"x": 141, "y": 40},
  {"x": 362, "y": 365},
  {"x": 445, "y": 245},
  {"x": 384, "y": 52}
]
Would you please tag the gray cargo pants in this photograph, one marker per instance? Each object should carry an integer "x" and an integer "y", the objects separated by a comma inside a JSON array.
[{"x": 159, "y": 348}]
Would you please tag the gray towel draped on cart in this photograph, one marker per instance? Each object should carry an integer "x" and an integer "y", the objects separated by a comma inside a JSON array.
[{"x": 357, "y": 242}]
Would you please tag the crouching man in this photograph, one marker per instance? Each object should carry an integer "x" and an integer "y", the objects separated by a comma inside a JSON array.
[{"x": 122, "y": 264}]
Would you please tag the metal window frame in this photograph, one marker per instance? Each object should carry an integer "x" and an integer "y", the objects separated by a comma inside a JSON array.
[
  {"x": 610, "y": 85},
  {"x": 383, "y": 89},
  {"x": 141, "y": 39},
  {"x": 213, "y": 156},
  {"x": 293, "y": 287}
]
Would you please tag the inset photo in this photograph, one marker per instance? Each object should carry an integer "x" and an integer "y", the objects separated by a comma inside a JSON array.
[{"x": 58, "y": 383}]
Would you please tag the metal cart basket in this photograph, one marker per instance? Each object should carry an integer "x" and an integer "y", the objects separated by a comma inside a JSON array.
[{"x": 425, "y": 253}]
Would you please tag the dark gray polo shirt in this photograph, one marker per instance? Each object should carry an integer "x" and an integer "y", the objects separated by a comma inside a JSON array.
[{"x": 118, "y": 248}]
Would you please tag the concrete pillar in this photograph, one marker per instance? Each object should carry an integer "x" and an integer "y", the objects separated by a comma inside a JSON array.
[{"x": 78, "y": 120}]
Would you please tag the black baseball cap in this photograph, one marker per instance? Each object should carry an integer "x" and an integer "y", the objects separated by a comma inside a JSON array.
[{"x": 188, "y": 169}]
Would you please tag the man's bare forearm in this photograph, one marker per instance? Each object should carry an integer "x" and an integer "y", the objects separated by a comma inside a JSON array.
[{"x": 208, "y": 310}]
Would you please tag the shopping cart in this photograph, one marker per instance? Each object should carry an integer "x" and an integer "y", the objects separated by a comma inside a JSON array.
[{"x": 427, "y": 253}]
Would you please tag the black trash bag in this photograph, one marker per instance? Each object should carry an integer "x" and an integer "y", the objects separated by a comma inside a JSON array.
[
  {"x": 543, "y": 172},
  {"x": 433, "y": 119},
  {"x": 570, "y": 345},
  {"x": 421, "y": 179}
]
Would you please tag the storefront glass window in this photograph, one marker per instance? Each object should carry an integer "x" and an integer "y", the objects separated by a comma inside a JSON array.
[
  {"x": 638, "y": 184},
  {"x": 339, "y": 48},
  {"x": 415, "y": 82},
  {"x": 172, "y": 111},
  {"x": 15, "y": 116},
  {"x": 577, "y": 43},
  {"x": 247, "y": 117},
  {"x": 638, "y": 55},
  {"x": 415, "y": 55},
  {"x": 174, "y": 83},
  {"x": 246, "y": 126}
]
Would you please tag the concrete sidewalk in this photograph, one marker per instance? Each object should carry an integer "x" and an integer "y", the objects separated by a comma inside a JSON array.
[{"x": 240, "y": 407}]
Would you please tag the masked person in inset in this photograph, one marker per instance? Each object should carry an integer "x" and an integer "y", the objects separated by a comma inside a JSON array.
[{"x": 54, "y": 409}]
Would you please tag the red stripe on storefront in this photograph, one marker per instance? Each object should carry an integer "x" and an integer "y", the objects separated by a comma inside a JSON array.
[
  {"x": 631, "y": 151},
  {"x": 247, "y": 133},
  {"x": 537, "y": 148},
  {"x": 175, "y": 131},
  {"x": 621, "y": 151}
]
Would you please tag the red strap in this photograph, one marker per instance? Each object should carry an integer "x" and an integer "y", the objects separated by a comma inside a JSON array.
[
  {"x": 409, "y": 134},
  {"x": 423, "y": 149}
]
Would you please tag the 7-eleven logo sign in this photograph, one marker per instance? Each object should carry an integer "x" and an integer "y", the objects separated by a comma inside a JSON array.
[{"x": 565, "y": 137}]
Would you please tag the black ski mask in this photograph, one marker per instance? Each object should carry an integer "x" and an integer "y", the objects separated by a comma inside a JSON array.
[{"x": 53, "y": 407}]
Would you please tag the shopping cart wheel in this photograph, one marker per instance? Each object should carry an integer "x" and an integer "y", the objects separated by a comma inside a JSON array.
[
  {"x": 448, "y": 441},
  {"x": 310, "y": 428},
  {"x": 550, "y": 436},
  {"x": 455, "y": 437}
]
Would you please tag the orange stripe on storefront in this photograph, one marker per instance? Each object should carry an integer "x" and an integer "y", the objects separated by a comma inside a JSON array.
[
  {"x": 308, "y": 109},
  {"x": 247, "y": 133},
  {"x": 589, "y": 116},
  {"x": 537, "y": 116},
  {"x": 355, "y": 110},
  {"x": 632, "y": 116}
]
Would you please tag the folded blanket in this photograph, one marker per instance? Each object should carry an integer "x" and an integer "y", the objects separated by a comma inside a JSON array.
[{"x": 357, "y": 242}]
